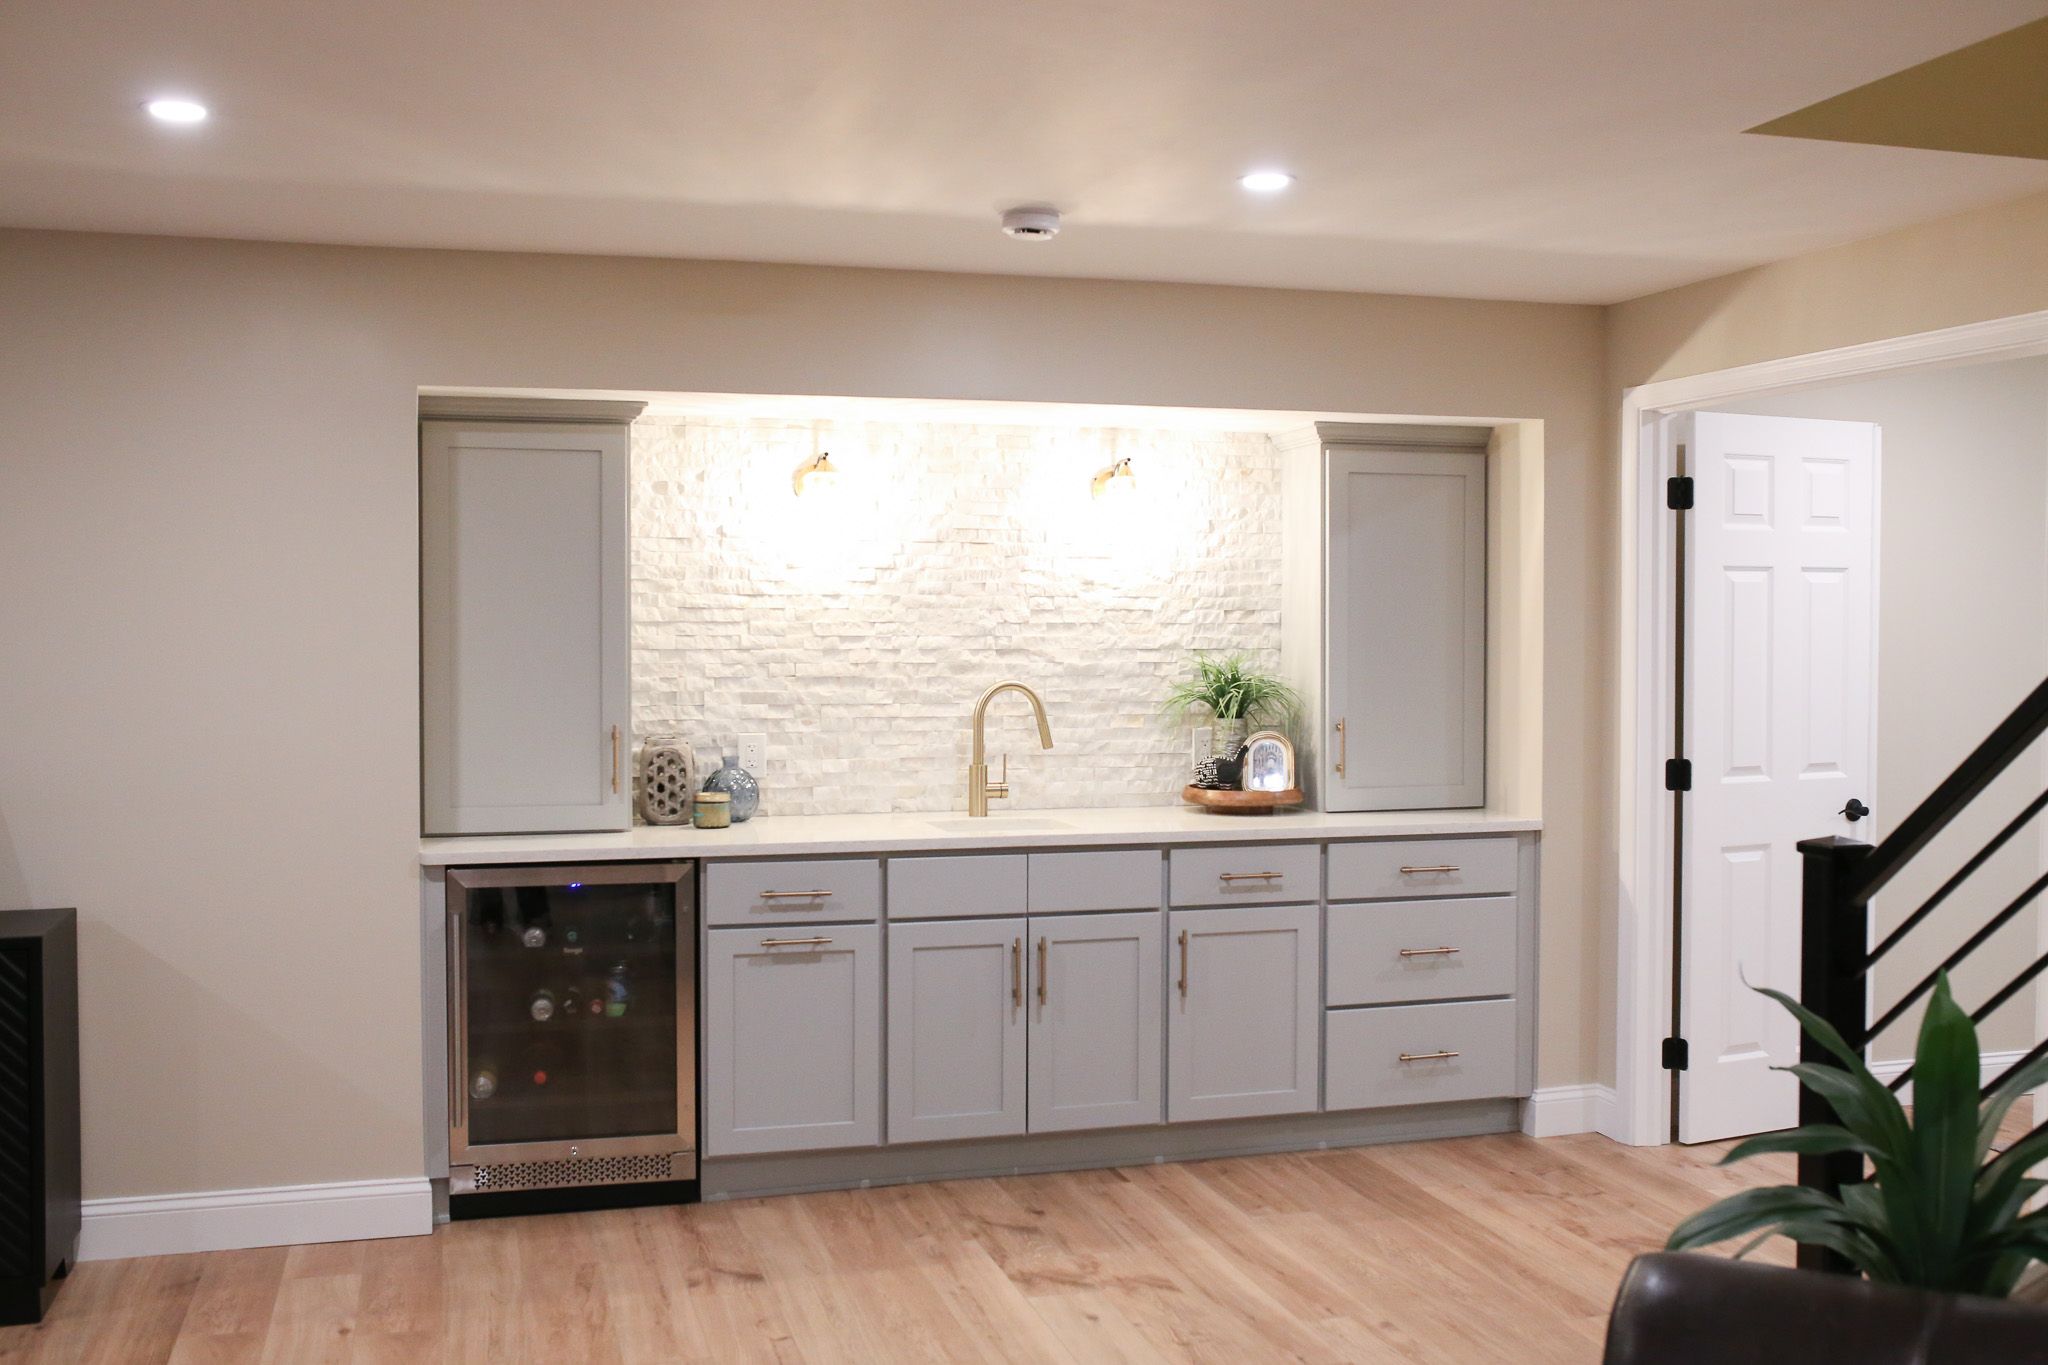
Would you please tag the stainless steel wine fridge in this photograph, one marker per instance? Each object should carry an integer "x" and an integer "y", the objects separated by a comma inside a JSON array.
[{"x": 572, "y": 1042}]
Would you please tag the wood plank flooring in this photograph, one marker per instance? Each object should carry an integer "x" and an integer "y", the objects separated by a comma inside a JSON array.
[{"x": 1477, "y": 1249}]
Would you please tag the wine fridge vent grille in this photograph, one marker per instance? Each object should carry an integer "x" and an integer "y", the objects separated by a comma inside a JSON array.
[{"x": 548, "y": 1175}]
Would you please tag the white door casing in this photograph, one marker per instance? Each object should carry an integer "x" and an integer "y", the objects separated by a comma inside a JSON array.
[{"x": 1779, "y": 679}]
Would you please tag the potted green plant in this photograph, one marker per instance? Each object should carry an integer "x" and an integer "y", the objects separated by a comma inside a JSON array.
[
  {"x": 1941, "y": 1210},
  {"x": 1236, "y": 695}
]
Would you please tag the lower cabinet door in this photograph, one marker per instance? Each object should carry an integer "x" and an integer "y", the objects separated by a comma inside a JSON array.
[
  {"x": 956, "y": 1029},
  {"x": 1095, "y": 1017},
  {"x": 793, "y": 1039},
  {"x": 1244, "y": 1012}
]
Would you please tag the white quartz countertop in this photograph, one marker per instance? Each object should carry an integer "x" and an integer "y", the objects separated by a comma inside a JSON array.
[{"x": 770, "y": 836}]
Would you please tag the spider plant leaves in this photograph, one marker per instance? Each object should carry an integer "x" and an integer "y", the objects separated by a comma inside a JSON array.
[{"x": 1231, "y": 688}]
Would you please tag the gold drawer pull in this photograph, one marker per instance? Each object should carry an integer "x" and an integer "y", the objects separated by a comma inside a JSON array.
[
  {"x": 1440, "y": 867},
  {"x": 1427, "y": 952},
  {"x": 1017, "y": 972},
  {"x": 794, "y": 942},
  {"x": 1041, "y": 971},
  {"x": 1427, "y": 1056},
  {"x": 1183, "y": 964},
  {"x": 1249, "y": 876},
  {"x": 1343, "y": 747},
  {"x": 794, "y": 895}
]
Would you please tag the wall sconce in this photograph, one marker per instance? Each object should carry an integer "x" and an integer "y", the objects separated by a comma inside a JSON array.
[
  {"x": 1116, "y": 481},
  {"x": 819, "y": 476}
]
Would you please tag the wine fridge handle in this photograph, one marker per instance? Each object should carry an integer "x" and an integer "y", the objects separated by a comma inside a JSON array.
[{"x": 458, "y": 1012}]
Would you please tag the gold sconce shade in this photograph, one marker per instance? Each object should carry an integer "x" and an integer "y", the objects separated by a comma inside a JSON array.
[
  {"x": 1116, "y": 481},
  {"x": 819, "y": 476}
]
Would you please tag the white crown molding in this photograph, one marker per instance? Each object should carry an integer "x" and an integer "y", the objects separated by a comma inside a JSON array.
[
  {"x": 1562, "y": 1109},
  {"x": 281, "y": 1215}
]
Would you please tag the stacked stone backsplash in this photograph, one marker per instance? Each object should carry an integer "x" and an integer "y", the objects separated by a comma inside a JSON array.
[{"x": 856, "y": 629}]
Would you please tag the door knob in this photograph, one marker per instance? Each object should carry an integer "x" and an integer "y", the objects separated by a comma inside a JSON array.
[{"x": 1855, "y": 810}]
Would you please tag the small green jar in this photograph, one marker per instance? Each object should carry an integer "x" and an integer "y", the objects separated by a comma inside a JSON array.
[{"x": 712, "y": 810}]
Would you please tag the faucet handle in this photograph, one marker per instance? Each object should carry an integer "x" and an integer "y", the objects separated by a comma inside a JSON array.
[{"x": 1001, "y": 786}]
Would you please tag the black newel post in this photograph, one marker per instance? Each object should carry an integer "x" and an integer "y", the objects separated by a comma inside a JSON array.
[{"x": 1834, "y": 959}]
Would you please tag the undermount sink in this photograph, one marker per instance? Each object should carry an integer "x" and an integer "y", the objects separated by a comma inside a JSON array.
[{"x": 999, "y": 824}]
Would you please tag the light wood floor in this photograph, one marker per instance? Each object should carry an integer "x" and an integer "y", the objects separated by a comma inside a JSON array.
[{"x": 1479, "y": 1249}]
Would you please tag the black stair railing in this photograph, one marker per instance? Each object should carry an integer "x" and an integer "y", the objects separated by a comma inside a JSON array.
[{"x": 1841, "y": 876}]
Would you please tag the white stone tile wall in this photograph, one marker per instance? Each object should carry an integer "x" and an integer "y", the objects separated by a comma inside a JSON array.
[{"x": 856, "y": 629}]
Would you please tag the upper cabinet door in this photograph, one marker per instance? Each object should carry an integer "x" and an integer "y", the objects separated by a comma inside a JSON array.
[
  {"x": 1406, "y": 651},
  {"x": 525, "y": 707}
]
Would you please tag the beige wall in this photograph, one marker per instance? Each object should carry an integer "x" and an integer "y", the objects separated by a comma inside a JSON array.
[
  {"x": 1962, "y": 636},
  {"x": 208, "y": 711}
]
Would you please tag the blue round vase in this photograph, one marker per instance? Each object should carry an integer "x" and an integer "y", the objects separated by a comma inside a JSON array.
[{"x": 739, "y": 784}]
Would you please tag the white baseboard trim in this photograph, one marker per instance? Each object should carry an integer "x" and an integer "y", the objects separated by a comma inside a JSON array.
[
  {"x": 281, "y": 1215},
  {"x": 1563, "y": 1109},
  {"x": 1991, "y": 1066}
]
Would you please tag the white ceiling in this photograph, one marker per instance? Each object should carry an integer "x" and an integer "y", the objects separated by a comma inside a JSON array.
[{"x": 1588, "y": 151}]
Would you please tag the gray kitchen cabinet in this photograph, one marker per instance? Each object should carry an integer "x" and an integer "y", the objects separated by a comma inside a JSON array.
[
  {"x": 1243, "y": 1029},
  {"x": 1095, "y": 991},
  {"x": 524, "y": 696},
  {"x": 1405, "y": 688},
  {"x": 956, "y": 1029},
  {"x": 793, "y": 1039}
]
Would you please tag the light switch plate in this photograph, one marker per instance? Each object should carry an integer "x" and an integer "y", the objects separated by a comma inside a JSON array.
[{"x": 754, "y": 754}]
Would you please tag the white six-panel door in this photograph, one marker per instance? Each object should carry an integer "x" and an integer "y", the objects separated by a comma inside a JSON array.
[{"x": 1781, "y": 550}]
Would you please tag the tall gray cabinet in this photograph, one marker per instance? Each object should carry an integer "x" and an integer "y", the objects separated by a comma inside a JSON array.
[{"x": 1388, "y": 530}]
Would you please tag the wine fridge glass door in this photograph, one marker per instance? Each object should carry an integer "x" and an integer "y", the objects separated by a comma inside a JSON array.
[{"x": 569, "y": 1026}]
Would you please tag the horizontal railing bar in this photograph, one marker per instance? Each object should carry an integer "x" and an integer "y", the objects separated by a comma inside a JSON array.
[
  {"x": 2038, "y": 1051},
  {"x": 1983, "y": 856},
  {"x": 1997, "y": 753},
  {"x": 1949, "y": 963},
  {"x": 1983, "y": 1011}
]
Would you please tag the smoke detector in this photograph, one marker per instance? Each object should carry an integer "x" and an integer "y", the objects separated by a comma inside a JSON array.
[{"x": 1032, "y": 222}]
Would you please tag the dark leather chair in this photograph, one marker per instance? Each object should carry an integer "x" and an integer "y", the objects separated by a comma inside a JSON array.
[{"x": 1690, "y": 1309}]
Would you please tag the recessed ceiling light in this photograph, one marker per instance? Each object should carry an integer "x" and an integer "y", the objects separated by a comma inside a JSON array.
[
  {"x": 1266, "y": 182},
  {"x": 176, "y": 111}
]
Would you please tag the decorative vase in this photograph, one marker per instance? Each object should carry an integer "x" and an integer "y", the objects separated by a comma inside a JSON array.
[
  {"x": 1226, "y": 737},
  {"x": 739, "y": 784}
]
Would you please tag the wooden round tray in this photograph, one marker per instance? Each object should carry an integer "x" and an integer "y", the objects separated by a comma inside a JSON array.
[{"x": 1241, "y": 803}]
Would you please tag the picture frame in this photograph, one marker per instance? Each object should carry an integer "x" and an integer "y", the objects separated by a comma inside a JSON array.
[{"x": 1268, "y": 763}]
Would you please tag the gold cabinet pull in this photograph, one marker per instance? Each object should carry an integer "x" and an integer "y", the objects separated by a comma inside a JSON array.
[
  {"x": 1427, "y": 1056},
  {"x": 794, "y": 895},
  {"x": 615, "y": 760},
  {"x": 1435, "y": 867},
  {"x": 1249, "y": 876},
  {"x": 1041, "y": 970},
  {"x": 1427, "y": 952},
  {"x": 1343, "y": 747},
  {"x": 794, "y": 942},
  {"x": 1017, "y": 971},
  {"x": 1183, "y": 964}
]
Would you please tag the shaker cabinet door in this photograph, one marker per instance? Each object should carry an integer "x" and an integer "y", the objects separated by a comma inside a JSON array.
[
  {"x": 1095, "y": 1019},
  {"x": 523, "y": 619},
  {"x": 956, "y": 1029},
  {"x": 1244, "y": 1014},
  {"x": 792, "y": 1039},
  {"x": 1407, "y": 630}
]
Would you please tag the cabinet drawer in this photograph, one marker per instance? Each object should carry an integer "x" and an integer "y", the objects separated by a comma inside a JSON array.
[
  {"x": 1260, "y": 874},
  {"x": 824, "y": 890},
  {"x": 1122, "y": 879},
  {"x": 944, "y": 888},
  {"x": 1394, "y": 951},
  {"x": 1407, "y": 868},
  {"x": 1363, "y": 1066}
]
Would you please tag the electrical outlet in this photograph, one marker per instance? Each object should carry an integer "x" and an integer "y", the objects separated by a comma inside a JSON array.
[
  {"x": 1205, "y": 739},
  {"x": 754, "y": 754}
]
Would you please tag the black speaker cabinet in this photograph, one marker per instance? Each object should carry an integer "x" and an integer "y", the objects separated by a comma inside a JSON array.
[{"x": 38, "y": 1108}]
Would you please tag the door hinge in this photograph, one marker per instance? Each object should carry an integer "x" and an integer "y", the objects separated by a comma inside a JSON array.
[
  {"x": 1678, "y": 774},
  {"x": 1677, "y": 1054},
  {"x": 1678, "y": 493}
]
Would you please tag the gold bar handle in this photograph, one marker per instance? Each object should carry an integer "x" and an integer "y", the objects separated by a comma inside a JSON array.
[
  {"x": 1249, "y": 876},
  {"x": 615, "y": 760},
  {"x": 794, "y": 942},
  {"x": 1427, "y": 952},
  {"x": 1041, "y": 971},
  {"x": 1343, "y": 748},
  {"x": 1438, "y": 867},
  {"x": 1017, "y": 971},
  {"x": 1427, "y": 1056},
  {"x": 1183, "y": 964},
  {"x": 794, "y": 895}
]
